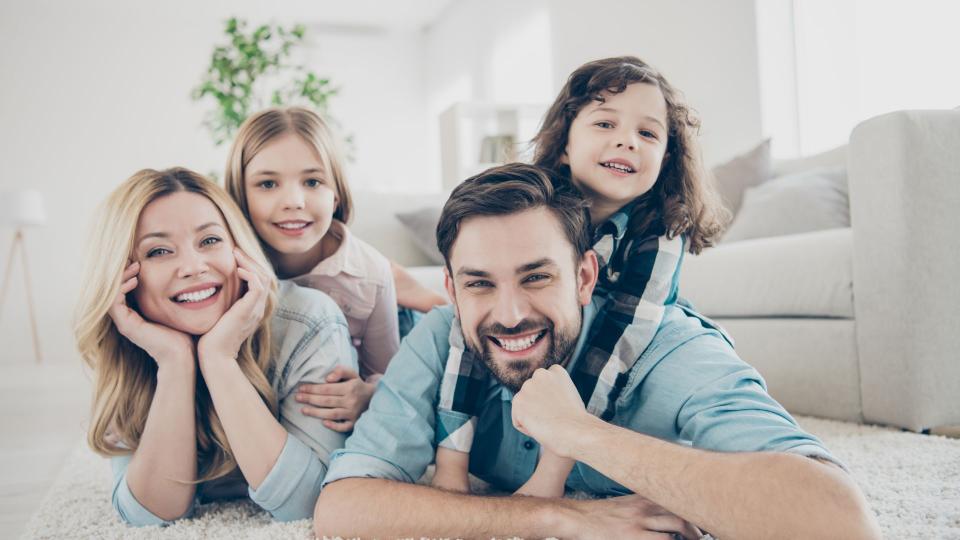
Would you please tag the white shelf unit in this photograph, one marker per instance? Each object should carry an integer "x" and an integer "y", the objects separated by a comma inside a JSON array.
[{"x": 475, "y": 136}]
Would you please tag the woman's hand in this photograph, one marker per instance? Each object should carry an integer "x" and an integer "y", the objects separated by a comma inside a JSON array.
[
  {"x": 244, "y": 316},
  {"x": 162, "y": 343},
  {"x": 340, "y": 401}
]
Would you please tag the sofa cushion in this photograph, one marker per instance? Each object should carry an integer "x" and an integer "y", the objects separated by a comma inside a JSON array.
[
  {"x": 422, "y": 226},
  {"x": 735, "y": 176},
  {"x": 813, "y": 200},
  {"x": 800, "y": 275}
]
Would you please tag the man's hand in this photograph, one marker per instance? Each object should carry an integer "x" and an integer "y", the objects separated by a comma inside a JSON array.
[
  {"x": 549, "y": 409},
  {"x": 629, "y": 516}
]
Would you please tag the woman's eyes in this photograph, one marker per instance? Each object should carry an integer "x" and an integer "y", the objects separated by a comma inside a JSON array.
[
  {"x": 648, "y": 134},
  {"x": 267, "y": 184},
  {"x": 210, "y": 240},
  {"x": 313, "y": 182},
  {"x": 157, "y": 251},
  {"x": 604, "y": 125}
]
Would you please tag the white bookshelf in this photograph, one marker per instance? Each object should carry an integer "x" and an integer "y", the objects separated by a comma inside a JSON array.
[{"x": 475, "y": 136}]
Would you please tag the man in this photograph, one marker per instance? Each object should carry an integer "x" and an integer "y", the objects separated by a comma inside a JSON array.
[{"x": 695, "y": 437}]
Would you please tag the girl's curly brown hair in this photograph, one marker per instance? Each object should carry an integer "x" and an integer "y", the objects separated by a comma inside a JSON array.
[{"x": 683, "y": 200}]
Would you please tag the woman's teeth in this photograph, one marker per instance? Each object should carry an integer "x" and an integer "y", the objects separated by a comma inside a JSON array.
[
  {"x": 618, "y": 167},
  {"x": 514, "y": 345},
  {"x": 196, "y": 296},
  {"x": 293, "y": 226}
]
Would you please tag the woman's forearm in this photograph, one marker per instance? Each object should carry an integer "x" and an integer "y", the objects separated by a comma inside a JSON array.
[
  {"x": 256, "y": 437},
  {"x": 164, "y": 466}
]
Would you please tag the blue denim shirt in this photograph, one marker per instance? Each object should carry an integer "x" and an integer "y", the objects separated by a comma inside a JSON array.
[
  {"x": 688, "y": 387},
  {"x": 310, "y": 337}
]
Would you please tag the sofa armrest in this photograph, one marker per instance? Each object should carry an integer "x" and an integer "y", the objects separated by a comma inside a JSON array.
[{"x": 904, "y": 174}]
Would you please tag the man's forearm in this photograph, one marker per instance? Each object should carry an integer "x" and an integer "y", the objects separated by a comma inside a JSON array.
[
  {"x": 731, "y": 495},
  {"x": 368, "y": 507}
]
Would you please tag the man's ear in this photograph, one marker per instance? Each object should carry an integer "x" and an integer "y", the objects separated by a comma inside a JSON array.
[
  {"x": 448, "y": 285},
  {"x": 587, "y": 277}
]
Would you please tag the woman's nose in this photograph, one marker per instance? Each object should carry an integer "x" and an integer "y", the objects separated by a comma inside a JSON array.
[{"x": 192, "y": 264}]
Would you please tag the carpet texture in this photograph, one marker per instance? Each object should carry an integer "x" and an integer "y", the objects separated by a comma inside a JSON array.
[{"x": 912, "y": 482}]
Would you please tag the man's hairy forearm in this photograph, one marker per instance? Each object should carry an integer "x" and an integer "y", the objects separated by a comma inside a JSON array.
[
  {"x": 732, "y": 495},
  {"x": 368, "y": 507}
]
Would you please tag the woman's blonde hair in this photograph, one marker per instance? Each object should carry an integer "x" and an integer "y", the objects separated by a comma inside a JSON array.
[
  {"x": 265, "y": 126},
  {"x": 125, "y": 376}
]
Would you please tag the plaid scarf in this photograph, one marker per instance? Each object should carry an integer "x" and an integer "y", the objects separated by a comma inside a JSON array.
[{"x": 625, "y": 327}]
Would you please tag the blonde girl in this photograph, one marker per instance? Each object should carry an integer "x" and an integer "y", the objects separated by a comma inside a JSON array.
[{"x": 196, "y": 352}]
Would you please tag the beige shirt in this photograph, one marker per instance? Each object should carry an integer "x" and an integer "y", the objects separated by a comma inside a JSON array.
[{"x": 359, "y": 279}]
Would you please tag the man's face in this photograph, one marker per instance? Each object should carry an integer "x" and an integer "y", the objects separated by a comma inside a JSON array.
[{"x": 518, "y": 291}]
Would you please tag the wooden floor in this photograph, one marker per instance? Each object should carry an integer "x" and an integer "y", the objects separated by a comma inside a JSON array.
[{"x": 44, "y": 417}]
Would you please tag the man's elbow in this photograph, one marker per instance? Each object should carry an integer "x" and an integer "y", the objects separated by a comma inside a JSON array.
[
  {"x": 851, "y": 517},
  {"x": 335, "y": 508}
]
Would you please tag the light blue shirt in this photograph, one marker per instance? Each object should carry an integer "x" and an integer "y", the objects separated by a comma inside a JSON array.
[
  {"x": 310, "y": 337},
  {"x": 687, "y": 387}
]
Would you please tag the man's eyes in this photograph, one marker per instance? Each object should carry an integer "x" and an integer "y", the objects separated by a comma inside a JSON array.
[
  {"x": 536, "y": 278},
  {"x": 478, "y": 284}
]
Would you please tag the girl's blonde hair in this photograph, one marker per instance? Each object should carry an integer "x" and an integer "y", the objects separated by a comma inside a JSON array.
[
  {"x": 125, "y": 376},
  {"x": 265, "y": 126},
  {"x": 683, "y": 200}
]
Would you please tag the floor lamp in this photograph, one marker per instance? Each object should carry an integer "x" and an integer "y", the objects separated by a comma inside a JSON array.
[{"x": 20, "y": 209}]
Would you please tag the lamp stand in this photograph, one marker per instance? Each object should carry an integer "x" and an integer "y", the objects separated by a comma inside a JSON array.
[{"x": 18, "y": 241}]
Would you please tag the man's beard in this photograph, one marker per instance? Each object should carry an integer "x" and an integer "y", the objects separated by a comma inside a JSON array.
[{"x": 513, "y": 373}]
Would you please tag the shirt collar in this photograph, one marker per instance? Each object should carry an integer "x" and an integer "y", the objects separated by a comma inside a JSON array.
[
  {"x": 346, "y": 259},
  {"x": 589, "y": 313},
  {"x": 615, "y": 225}
]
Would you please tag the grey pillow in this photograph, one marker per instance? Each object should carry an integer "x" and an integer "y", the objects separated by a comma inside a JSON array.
[
  {"x": 422, "y": 226},
  {"x": 803, "y": 202},
  {"x": 741, "y": 173}
]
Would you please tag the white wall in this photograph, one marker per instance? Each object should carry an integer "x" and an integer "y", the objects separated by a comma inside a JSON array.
[
  {"x": 492, "y": 51},
  {"x": 94, "y": 91},
  {"x": 707, "y": 49}
]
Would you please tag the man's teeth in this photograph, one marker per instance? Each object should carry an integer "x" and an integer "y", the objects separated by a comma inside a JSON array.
[
  {"x": 196, "y": 296},
  {"x": 298, "y": 225},
  {"x": 619, "y": 167},
  {"x": 514, "y": 345}
]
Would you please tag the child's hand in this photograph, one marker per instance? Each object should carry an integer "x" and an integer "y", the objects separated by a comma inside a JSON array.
[
  {"x": 244, "y": 316},
  {"x": 340, "y": 401},
  {"x": 162, "y": 343}
]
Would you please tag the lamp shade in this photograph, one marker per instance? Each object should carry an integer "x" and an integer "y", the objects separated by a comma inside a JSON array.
[{"x": 22, "y": 207}]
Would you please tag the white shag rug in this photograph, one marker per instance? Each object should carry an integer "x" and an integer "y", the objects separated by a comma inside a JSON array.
[{"x": 912, "y": 482}]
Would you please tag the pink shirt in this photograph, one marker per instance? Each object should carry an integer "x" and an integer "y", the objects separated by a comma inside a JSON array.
[{"x": 359, "y": 279}]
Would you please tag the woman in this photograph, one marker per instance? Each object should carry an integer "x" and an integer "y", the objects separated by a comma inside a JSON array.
[{"x": 197, "y": 353}]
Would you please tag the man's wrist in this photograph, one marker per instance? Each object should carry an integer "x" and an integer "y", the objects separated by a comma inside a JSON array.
[{"x": 577, "y": 436}]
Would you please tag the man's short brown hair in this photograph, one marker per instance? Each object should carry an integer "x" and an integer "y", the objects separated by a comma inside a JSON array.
[{"x": 512, "y": 188}]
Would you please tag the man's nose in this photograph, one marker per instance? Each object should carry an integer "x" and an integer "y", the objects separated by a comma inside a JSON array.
[{"x": 511, "y": 308}]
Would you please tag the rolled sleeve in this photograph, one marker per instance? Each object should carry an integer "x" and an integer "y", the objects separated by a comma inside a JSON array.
[
  {"x": 693, "y": 387},
  {"x": 394, "y": 439},
  {"x": 292, "y": 486},
  {"x": 127, "y": 506}
]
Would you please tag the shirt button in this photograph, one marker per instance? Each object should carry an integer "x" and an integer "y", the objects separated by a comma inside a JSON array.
[{"x": 528, "y": 445}]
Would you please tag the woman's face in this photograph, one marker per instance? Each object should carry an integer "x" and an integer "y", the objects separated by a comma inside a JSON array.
[{"x": 188, "y": 273}]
